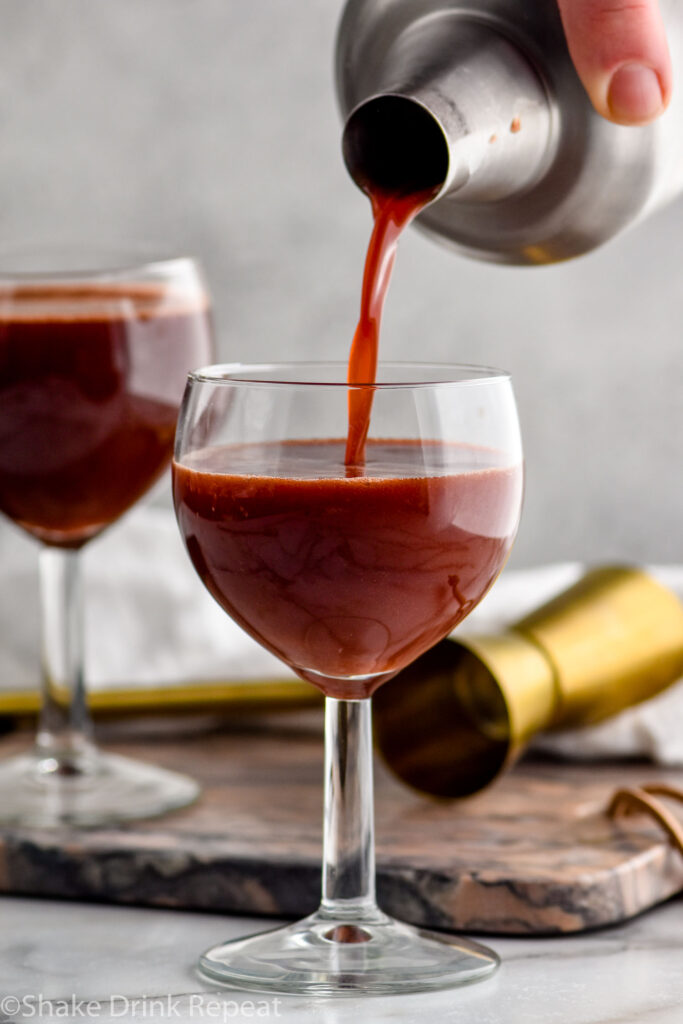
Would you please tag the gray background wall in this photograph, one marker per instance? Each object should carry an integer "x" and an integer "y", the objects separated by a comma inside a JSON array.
[{"x": 211, "y": 126}]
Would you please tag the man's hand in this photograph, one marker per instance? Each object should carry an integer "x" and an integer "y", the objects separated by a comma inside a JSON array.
[{"x": 620, "y": 52}]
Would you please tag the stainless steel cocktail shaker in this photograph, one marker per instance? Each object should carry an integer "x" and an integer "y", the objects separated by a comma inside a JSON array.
[{"x": 480, "y": 98}]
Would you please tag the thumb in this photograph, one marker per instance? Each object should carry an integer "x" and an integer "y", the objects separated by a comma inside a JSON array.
[{"x": 621, "y": 55}]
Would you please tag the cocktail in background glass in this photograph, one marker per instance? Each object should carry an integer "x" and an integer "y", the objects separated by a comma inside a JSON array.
[
  {"x": 347, "y": 573},
  {"x": 92, "y": 367}
]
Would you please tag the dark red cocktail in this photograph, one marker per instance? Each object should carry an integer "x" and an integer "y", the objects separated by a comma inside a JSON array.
[
  {"x": 92, "y": 370},
  {"x": 347, "y": 572},
  {"x": 90, "y": 380},
  {"x": 347, "y": 579}
]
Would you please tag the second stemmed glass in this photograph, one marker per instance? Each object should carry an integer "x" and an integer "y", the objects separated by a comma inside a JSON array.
[
  {"x": 92, "y": 368},
  {"x": 347, "y": 573}
]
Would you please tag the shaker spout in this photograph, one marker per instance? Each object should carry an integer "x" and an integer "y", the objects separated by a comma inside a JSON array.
[{"x": 394, "y": 144}]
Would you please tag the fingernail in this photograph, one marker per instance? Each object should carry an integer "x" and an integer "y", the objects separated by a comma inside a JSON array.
[{"x": 635, "y": 95}]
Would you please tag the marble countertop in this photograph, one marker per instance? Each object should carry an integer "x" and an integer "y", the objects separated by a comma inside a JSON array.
[{"x": 129, "y": 964}]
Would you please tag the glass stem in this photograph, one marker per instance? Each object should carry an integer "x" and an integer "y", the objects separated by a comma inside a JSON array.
[
  {"x": 64, "y": 741},
  {"x": 348, "y": 886}
]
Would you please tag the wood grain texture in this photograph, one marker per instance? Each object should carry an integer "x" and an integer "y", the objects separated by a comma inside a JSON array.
[{"x": 534, "y": 854}]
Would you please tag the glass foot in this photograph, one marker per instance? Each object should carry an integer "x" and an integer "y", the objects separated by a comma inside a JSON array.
[
  {"x": 104, "y": 790},
  {"x": 324, "y": 955}
]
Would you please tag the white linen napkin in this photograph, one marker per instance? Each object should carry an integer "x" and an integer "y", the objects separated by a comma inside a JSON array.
[{"x": 149, "y": 622}]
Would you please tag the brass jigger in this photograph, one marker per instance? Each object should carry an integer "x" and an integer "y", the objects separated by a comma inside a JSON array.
[{"x": 464, "y": 712}]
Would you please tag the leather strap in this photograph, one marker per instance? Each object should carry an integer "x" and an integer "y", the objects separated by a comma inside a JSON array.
[{"x": 644, "y": 799}]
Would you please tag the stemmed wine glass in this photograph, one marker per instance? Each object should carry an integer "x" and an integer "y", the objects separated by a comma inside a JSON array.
[
  {"x": 347, "y": 573},
  {"x": 92, "y": 367}
]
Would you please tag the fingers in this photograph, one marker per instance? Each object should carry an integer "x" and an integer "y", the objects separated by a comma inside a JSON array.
[{"x": 620, "y": 52}]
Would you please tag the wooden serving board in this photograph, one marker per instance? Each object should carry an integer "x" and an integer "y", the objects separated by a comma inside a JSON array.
[{"x": 533, "y": 854}]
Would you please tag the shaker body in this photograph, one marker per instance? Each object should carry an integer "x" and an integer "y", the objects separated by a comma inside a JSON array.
[{"x": 536, "y": 175}]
